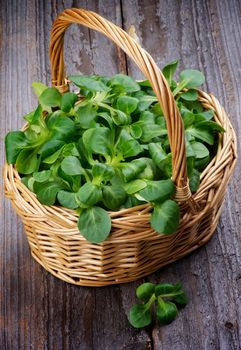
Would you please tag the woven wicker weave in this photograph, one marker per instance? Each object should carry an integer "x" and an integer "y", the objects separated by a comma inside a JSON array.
[{"x": 133, "y": 249}]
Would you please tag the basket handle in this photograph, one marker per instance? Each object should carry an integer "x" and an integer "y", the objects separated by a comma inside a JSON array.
[{"x": 148, "y": 67}]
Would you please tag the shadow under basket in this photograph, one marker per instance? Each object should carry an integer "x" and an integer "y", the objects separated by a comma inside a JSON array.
[{"x": 133, "y": 249}]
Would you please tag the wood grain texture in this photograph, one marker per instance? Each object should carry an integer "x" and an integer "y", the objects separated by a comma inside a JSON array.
[{"x": 37, "y": 310}]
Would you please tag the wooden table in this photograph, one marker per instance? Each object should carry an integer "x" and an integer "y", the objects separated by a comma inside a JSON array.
[{"x": 39, "y": 311}]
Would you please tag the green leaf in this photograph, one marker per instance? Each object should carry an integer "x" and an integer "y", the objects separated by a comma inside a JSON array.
[
  {"x": 150, "y": 170},
  {"x": 208, "y": 115},
  {"x": 67, "y": 199},
  {"x": 129, "y": 84},
  {"x": 201, "y": 134},
  {"x": 39, "y": 88},
  {"x": 132, "y": 201},
  {"x": 177, "y": 287},
  {"x": 150, "y": 131},
  {"x": 199, "y": 149},
  {"x": 210, "y": 126},
  {"x": 160, "y": 120},
  {"x": 120, "y": 118},
  {"x": 169, "y": 70},
  {"x": 101, "y": 171},
  {"x": 35, "y": 129},
  {"x": 192, "y": 78},
  {"x": 144, "y": 83},
  {"x": 145, "y": 291},
  {"x": 47, "y": 192},
  {"x": 149, "y": 127},
  {"x": 104, "y": 118},
  {"x": 132, "y": 169},
  {"x": 55, "y": 170},
  {"x": 165, "y": 217},
  {"x": 173, "y": 292},
  {"x": 50, "y": 97},
  {"x": 135, "y": 130},
  {"x": 71, "y": 166},
  {"x": 199, "y": 117},
  {"x": 157, "y": 153},
  {"x": 74, "y": 181},
  {"x": 166, "y": 166},
  {"x": 35, "y": 117},
  {"x": 94, "y": 224},
  {"x": 14, "y": 142},
  {"x": 89, "y": 194},
  {"x": 127, "y": 145},
  {"x": 67, "y": 101},
  {"x": 189, "y": 150},
  {"x": 113, "y": 197},
  {"x": 50, "y": 147},
  {"x": 194, "y": 106},
  {"x": 27, "y": 161},
  {"x": 127, "y": 104},
  {"x": 161, "y": 158},
  {"x": 156, "y": 109},
  {"x": 134, "y": 186},
  {"x": 70, "y": 149},
  {"x": 180, "y": 299},
  {"x": 139, "y": 316},
  {"x": 53, "y": 157},
  {"x": 85, "y": 116},
  {"x": 166, "y": 312},
  {"x": 29, "y": 117},
  {"x": 28, "y": 182},
  {"x": 201, "y": 163},
  {"x": 145, "y": 102},
  {"x": 42, "y": 176},
  {"x": 88, "y": 83},
  {"x": 38, "y": 117},
  {"x": 61, "y": 126},
  {"x": 98, "y": 140},
  {"x": 164, "y": 289},
  {"x": 189, "y": 95},
  {"x": 158, "y": 190},
  {"x": 194, "y": 180},
  {"x": 188, "y": 119}
]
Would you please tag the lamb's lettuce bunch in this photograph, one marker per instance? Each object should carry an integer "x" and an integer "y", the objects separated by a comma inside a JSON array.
[{"x": 106, "y": 148}]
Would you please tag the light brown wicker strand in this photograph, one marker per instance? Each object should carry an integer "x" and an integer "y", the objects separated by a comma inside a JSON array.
[{"x": 146, "y": 64}]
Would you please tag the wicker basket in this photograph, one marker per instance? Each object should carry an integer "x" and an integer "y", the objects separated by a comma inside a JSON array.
[{"x": 133, "y": 249}]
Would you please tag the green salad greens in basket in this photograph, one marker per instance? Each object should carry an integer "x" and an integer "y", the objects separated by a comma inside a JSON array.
[{"x": 106, "y": 148}]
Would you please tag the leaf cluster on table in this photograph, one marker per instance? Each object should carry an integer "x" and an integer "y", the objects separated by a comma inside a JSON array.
[{"x": 159, "y": 301}]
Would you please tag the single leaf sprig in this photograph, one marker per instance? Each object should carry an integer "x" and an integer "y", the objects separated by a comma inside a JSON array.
[{"x": 167, "y": 298}]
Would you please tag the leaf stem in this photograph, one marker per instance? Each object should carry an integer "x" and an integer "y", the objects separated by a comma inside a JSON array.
[
  {"x": 170, "y": 294},
  {"x": 179, "y": 88},
  {"x": 150, "y": 301}
]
